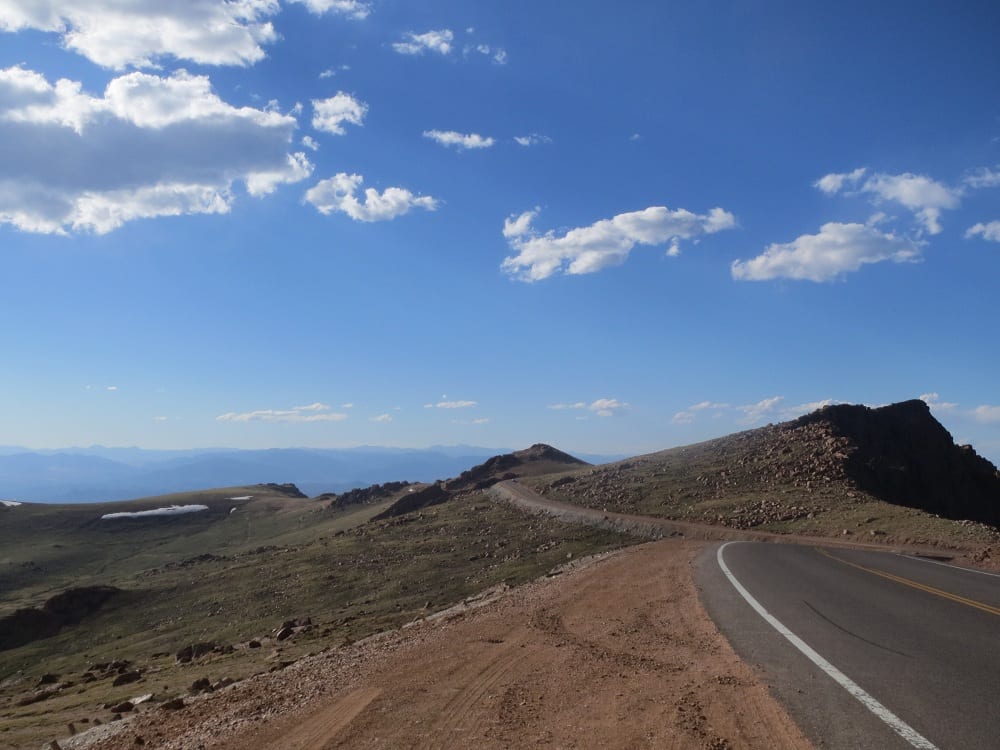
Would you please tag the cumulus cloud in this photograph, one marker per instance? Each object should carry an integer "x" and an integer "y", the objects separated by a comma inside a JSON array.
[
  {"x": 990, "y": 231},
  {"x": 773, "y": 407},
  {"x": 602, "y": 407},
  {"x": 381, "y": 418},
  {"x": 532, "y": 139},
  {"x": 115, "y": 34},
  {"x": 461, "y": 141},
  {"x": 317, "y": 412},
  {"x": 605, "y": 243},
  {"x": 837, "y": 249},
  {"x": 330, "y": 115},
  {"x": 438, "y": 41},
  {"x": 139, "y": 33},
  {"x": 338, "y": 194},
  {"x": 354, "y": 9},
  {"x": 451, "y": 405},
  {"x": 925, "y": 197},
  {"x": 150, "y": 146}
]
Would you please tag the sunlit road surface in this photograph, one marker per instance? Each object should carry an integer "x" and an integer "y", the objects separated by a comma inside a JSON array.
[{"x": 866, "y": 649}]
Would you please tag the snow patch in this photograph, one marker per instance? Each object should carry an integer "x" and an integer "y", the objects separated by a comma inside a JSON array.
[
  {"x": 173, "y": 510},
  {"x": 241, "y": 497},
  {"x": 10, "y": 503}
]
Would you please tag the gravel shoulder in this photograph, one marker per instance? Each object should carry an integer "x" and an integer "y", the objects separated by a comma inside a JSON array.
[{"x": 616, "y": 652}]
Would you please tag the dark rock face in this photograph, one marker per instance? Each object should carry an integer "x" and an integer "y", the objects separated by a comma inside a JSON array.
[
  {"x": 902, "y": 454},
  {"x": 284, "y": 489},
  {"x": 365, "y": 496},
  {"x": 68, "y": 608},
  {"x": 432, "y": 495}
]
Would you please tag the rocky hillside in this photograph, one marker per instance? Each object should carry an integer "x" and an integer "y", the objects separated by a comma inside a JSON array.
[
  {"x": 538, "y": 460},
  {"x": 837, "y": 470},
  {"x": 901, "y": 454}
]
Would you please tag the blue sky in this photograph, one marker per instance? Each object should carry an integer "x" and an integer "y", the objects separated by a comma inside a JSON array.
[{"x": 613, "y": 228}]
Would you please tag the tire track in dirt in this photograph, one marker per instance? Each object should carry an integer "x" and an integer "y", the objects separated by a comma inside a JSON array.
[{"x": 466, "y": 706}]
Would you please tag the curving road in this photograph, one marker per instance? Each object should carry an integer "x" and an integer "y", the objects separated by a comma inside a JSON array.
[{"x": 865, "y": 649}]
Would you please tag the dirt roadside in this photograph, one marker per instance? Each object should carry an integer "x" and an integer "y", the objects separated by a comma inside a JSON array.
[{"x": 614, "y": 653}]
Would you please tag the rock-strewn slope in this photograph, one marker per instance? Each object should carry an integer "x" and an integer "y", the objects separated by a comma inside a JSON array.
[{"x": 841, "y": 470}]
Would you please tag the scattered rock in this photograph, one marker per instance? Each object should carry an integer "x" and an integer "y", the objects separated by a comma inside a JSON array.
[
  {"x": 126, "y": 678},
  {"x": 173, "y": 704},
  {"x": 123, "y": 708}
]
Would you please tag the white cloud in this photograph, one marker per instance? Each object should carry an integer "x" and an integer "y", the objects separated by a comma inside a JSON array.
[
  {"x": 310, "y": 143},
  {"x": 115, "y": 34},
  {"x": 498, "y": 55},
  {"x": 150, "y": 146},
  {"x": 933, "y": 400},
  {"x": 461, "y": 141},
  {"x": 532, "y": 139},
  {"x": 837, "y": 249},
  {"x": 139, "y": 33},
  {"x": 925, "y": 197},
  {"x": 451, "y": 405},
  {"x": 757, "y": 412},
  {"x": 338, "y": 194},
  {"x": 347, "y": 406},
  {"x": 381, "y": 418},
  {"x": 317, "y": 412},
  {"x": 602, "y": 407},
  {"x": 431, "y": 41},
  {"x": 688, "y": 415},
  {"x": 834, "y": 183},
  {"x": 329, "y": 115},
  {"x": 984, "y": 177},
  {"x": 161, "y": 419},
  {"x": 990, "y": 231},
  {"x": 111, "y": 388},
  {"x": 987, "y": 414},
  {"x": 605, "y": 243},
  {"x": 353, "y": 9}
]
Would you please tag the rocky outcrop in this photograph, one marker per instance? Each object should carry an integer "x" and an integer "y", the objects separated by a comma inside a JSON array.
[
  {"x": 68, "y": 608},
  {"x": 901, "y": 454},
  {"x": 364, "y": 496},
  {"x": 507, "y": 466},
  {"x": 288, "y": 489},
  {"x": 435, "y": 494}
]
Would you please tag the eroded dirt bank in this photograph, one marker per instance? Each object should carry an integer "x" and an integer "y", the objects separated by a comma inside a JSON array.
[{"x": 617, "y": 653}]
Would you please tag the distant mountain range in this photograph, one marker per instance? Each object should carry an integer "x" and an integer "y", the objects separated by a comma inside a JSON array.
[{"x": 98, "y": 473}]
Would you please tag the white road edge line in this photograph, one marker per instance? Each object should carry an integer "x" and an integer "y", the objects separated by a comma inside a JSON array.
[
  {"x": 897, "y": 725},
  {"x": 953, "y": 567}
]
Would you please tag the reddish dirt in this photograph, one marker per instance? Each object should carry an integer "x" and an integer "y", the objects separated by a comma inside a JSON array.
[{"x": 616, "y": 652}]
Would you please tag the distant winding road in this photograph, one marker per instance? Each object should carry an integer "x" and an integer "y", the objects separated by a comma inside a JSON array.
[{"x": 866, "y": 649}]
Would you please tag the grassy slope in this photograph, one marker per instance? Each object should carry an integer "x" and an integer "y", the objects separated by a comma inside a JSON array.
[{"x": 350, "y": 577}]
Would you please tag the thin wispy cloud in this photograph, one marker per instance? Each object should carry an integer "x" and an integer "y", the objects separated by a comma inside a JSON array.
[
  {"x": 989, "y": 231},
  {"x": 532, "y": 139},
  {"x": 602, "y": 407},
  {"x": 438, "y": 41},
  {"x": 317, "y": 412},
  {"x": 451, "y": 405},
  {"x": 460, "y": 141}
]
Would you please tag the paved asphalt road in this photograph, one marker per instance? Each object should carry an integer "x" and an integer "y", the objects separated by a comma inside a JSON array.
[{"x": 919, "y": 638}]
